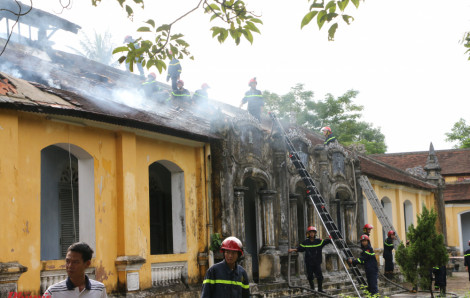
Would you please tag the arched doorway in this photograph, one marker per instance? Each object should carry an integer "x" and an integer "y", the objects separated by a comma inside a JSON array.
[
  {"x": 464, "y": 219},
  {"x": 387, "y": 206},
  {"x": 408, "y": 214},
  {"x": 252, "y": 224}
]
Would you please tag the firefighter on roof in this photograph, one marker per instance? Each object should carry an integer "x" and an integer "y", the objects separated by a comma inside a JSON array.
[
  {"x": 254, "y": 98},
  {"x": 227, "y": 279},
  {"x": 313, "y": 256},
  {"x": 329, "y": 137},
  {"x": 174, "y": 71},
  {"x": 180, "y": 94}
]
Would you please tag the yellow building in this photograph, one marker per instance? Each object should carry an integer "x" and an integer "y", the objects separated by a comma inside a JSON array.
[
  {"x": 133, "y": 188},
  {"x": 454, "y": 166}
]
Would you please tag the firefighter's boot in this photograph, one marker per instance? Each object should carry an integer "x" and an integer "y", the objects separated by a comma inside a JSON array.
[
  {"x": 312, "y": 285},
  {"x": 320, "y": 286}
]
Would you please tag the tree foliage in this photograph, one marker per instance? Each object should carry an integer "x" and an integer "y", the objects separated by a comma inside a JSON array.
[
  {"x": 341, "y": 114},
  {"x": 460, "y": 133},
  {"x": 98, "y": 48},
  {"x": 426, "y": 249}
]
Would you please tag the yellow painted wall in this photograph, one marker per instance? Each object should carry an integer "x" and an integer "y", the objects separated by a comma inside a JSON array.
[
  {"x": 121, "y": 161},
  {"x": 397, "y": 194},
  {"x": 452, "y": 221}
]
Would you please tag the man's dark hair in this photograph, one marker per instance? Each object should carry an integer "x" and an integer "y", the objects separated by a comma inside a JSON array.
[{"x": 82, "y": 248}]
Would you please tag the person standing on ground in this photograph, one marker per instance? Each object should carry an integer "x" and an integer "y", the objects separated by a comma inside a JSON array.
[
  {"x": 255, "y": 100},
  {"x": 388, "y": 255},
  {"x": 174, "y": 71},
  {"x": 467, "y": 260},
  {"x": 329, "y": 137},
  {"x": 367, "y": 258},
  {"x": 77, "y": 284},
  {"x": 313, "y": 256},
  {"x": 227, "y": 279},
  {"x": 440, "y": 279}
]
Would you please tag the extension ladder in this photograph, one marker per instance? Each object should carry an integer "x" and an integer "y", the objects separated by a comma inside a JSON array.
[
  {"x": 314, "y": 195},
  {"x": 377, "y": 206}
]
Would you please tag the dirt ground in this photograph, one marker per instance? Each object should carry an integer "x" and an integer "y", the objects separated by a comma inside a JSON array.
[{"x": 458, "y": 285}]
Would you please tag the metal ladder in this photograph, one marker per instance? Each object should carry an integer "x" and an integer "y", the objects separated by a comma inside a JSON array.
[
  {"x": 314, "y": 195},
  {"x": 377, "y": 206}
]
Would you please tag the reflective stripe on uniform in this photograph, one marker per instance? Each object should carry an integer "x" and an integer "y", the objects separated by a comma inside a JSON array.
[
  {"x": 226, "y": 282},
  {"x": 467, "y": 255},
  {"x": 332, "y": 138},
  {"x": 254, "y": 95},
  {"x": 388, "y": 244},
  {"x": 370, "y": 254},
  {"x": 312, "y": 245}
]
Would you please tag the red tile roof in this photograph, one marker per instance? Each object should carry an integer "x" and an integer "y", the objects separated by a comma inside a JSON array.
[
  {"x": 453, "y": 162},
  {"x": 457, "y": 192},
  {"x": 381, "y": 171}
]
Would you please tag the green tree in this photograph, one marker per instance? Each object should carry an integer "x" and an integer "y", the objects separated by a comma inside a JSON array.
[
  {"x": 460, "y": 133},
  {"x": 341, "y": 114},
  {"x": 426, "y": 249},
  {"x": 98, "y": 48}
]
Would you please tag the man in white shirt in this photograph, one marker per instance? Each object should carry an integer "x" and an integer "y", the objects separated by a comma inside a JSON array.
[{"x": 77, "y": 284}]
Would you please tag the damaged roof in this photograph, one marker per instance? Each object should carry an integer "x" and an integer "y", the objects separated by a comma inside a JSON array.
[{"x": 17, "y": 94}]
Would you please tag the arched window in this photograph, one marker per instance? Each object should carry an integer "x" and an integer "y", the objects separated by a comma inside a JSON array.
[
  {"x": 408, "y": 212},
  {"x": 167, "y": 208},
  {"x": 67, "y": 199}
]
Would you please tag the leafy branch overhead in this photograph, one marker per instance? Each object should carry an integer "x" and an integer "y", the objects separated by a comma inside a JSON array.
[
  {"x": 327, "y": 13},
  {"x": 236, "y": 20}
]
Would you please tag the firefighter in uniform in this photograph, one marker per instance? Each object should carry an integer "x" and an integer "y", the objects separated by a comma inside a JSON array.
[
  {"x": 440, "y": 279},
  {"x": 180, "y": 94},
  {"x": 388, "y": 256},
  {"x": 227, "y": 279},
  {"x": 367, "y": 258},
  {"x": 313, "y": 256},
  {"x": 329, "y": 137},
  {"x": 367, "y": 229},
  {"x": 174, "y": 71},
  {"x": 467, "y": 260},
  {"x": 254, "y": 98}
]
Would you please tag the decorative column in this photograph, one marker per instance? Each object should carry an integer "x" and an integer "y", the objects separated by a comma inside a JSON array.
[
  {"x": 239, "y": 212},
  {"x": 9, "y": 275},
  {"x": 267, "y": 213},
  {"x": 269, "y": 258},
  {"x": 293, "y": 219},
  {"x": 281, "y": 202},
  {"x": 129, "y": 266},
  {"x": 350, "y": 225}
]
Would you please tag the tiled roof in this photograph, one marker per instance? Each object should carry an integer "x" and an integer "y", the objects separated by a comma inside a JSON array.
[
  {"x": 457, "y": 192},
  {"x": 381, "y": 171},
  {"x": 452, "y": 162}
]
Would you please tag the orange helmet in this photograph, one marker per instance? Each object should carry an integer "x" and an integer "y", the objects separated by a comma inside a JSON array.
[
  {"x": 233, "y": 244},
  {"x": 153, "y": 75},
  {"x": 326, "y": 128},
  {"x": 180, "y": 82},
  {"x": 391, "y": 232},
  {"x": 368, "y": 226},
  {"x": 364, "y": 237},
  {"x": 311, "y": 228},
  {"x": 253, "y": 80}
]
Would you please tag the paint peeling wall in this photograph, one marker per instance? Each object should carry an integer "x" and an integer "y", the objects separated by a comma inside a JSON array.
[{"x": 121, "y": 196}]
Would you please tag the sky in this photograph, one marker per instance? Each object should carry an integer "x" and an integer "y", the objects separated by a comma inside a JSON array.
[{"x": 403, "y": 56}]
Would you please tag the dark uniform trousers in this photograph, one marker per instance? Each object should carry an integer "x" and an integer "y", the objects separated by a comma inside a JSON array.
[
  {"x": 369, "y": 261},
  {"x": 222, "y": 282},
  {"x": 467, "y": 261}
]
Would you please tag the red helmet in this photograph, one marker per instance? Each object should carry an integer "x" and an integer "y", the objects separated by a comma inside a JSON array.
[
  {"x": 368, "y": 226},
  {"x": 391, "y": 232},
  {"x": 253, "y": 80},
  {"x": 180, "y": 82},
  {"x": 311, "y": 228},
  {"x": 153, "y": 75},
  {"x": 128, "y": 38},
  {"x": 364, "y": 237},
  {"x": 326, "y": 128},
  {"x": 204, "y": 86},
  {"x": 233, "y": 244}
]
